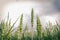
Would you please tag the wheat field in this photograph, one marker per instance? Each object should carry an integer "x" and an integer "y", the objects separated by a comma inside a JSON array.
[{"x": 52, "y": 32}]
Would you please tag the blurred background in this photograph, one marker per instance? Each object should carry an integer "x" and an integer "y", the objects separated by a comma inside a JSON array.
[{"x": 47, "y": 10}]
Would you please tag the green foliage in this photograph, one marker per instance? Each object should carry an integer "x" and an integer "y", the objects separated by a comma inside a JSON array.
[
  {"x": 52, "y": 32},
  {"x": 6, "y": 29}
]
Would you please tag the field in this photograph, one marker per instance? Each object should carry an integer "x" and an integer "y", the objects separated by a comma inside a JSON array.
[{"x": 52, "y": 32}]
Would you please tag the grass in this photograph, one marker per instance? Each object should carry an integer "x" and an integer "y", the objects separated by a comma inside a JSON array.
[{"x": 52, "y": 32}]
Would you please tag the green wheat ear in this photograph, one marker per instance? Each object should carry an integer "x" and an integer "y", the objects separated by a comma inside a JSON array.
[
  {"x": 21, "y": 20},
  {"x": 20, "y": 28},
  {"x": 32, "y": 17},
  {"x": 32, "y": 20},
  {"x": 39, "y": 28}
]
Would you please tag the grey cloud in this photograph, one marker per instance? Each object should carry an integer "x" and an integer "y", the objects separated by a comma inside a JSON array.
[{"x": 57, "y": 4}]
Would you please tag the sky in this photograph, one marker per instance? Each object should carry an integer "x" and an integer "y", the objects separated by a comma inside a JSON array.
[{"x": 47, "y": 10}]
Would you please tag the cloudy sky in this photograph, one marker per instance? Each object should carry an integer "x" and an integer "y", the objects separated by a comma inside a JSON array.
[{"x": 47, "y": 10}]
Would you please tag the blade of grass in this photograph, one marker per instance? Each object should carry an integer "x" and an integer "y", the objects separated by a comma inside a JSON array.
[{"x": 12, "y": 26}]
